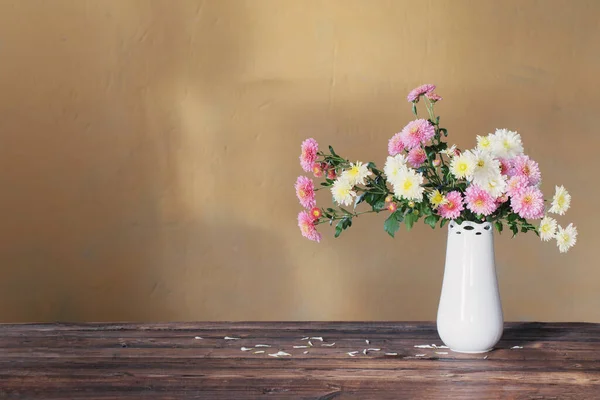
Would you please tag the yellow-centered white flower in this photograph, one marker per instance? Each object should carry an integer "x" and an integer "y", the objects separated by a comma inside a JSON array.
[
  {"x": 393, "y": 167},
  {"x": 547, "y": 228},
  {"x": 496, "y": 185},
  {"x": 408, "y": 185},
  {"x": 566, "y": 238},
  {"x": 342, "y": 191},
  {"x": 437, "y": 199},
  {"x": 357, "y": 173},
  {"x": 463, "y": 165},
  {"x": 561, "y": 201},
  {"x": 506, "y": 144},
  {"x": 484, "y": 143},
  {"x": 485, "y": 169}
]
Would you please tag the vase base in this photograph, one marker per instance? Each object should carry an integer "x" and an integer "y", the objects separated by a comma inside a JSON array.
[{"x": 472, "y": 352}]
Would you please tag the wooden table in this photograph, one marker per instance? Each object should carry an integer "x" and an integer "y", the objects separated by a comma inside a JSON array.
[{"x": 197, "y": 361}]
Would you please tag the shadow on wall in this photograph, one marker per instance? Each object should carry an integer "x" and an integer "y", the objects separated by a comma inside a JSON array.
[{"x": 94, "y": 225}]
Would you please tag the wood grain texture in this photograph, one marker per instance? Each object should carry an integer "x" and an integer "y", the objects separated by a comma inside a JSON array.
[{"x": 165, "y": 361}]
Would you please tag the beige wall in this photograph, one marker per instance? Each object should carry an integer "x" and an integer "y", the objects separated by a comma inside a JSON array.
[{"x": 148, "y": 151}]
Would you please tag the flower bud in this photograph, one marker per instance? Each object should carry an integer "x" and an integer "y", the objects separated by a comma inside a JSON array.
[
  {"x": 317, "y": 171},
  {"x": 411, "y": 204},
  {"x": 331, "y": 174},
  {"x": 437, "y": 162},
  {"x": 389, "y": 198},
  {"x": 392, "y": 207},
  {"x": 316, "y": 213}
]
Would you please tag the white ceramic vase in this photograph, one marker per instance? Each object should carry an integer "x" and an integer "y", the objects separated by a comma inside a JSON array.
[{"x": 470, "y": 316}]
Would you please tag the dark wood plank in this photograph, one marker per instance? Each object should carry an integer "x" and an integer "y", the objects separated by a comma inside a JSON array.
[{"x": 165, "y": 361}]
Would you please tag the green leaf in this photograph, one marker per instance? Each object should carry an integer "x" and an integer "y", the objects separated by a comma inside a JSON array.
[
  {"x": 379, "y": 205},
  {"x": 339, "y": 228},
  {"x": 432, "y": 220},
  {"x": 391, "y": 224},
  {"x": 414, "y": 108},
  {"x": 360, "y": 199},
  {"x": 409, "y": 220},
  {"x": 514, "y": 229},
  {"x": 444, "y": 220},
  {"x": 498, "y": 226},
  {"x": 332, "y": 152},
  {"x": 512, "y": 217},
  {"x": 444, "y": 131}
]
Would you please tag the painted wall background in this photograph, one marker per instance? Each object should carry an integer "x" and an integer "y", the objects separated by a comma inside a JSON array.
[{"x": 148, "y": 151}]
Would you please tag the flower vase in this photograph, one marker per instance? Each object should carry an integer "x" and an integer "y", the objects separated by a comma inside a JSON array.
[{"x": 469, "y": 318}]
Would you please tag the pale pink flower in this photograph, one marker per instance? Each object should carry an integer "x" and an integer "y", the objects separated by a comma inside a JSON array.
[
  {"x": 453, "y": 205},
  {"x": 516, "y": 185},
  {"x": 505, "y": 166},
  {"x": 433, "y": 97},
  {"x": 479, "y": 201},
  {"x": 417, "y": 92},
  {"x": 523, "y": 165},
  {"x": 529, "y": 203},
  {"x": 416, "y": 157},
  {"x": 307, "y": 227},
  {"x": 305, "y": 191},
  {"x": 417, "y": 132},
  {"x": 308, "y": 155},
  {"x": 396, "y": 145}
]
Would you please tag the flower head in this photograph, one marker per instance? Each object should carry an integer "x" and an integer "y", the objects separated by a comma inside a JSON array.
[
  {"x": 331, "y": 173},
  {"x": 529, "y": 203},
  {"x": 392, "y": 207},
  {"x": 342, "y": 191},
  {"x": 316, "y": 213},
  {"x": 561, "y": 201},
  {"x": 417, "y": 92},
  {"x": 357, "y": 173},
  {"x": 496, "y": 185},
  {"x": 463, "y": 165},
  {"x": 416, "y": 157},
  {"x": 452, "y": 206},
  {"x": 480, "y": 201},
  {"x": 523, "y": 165},
  {"x": 408, "y": 185},
  {"x": 308, "y": 154},
  {"x": 547, "y": 228},
  {"x": 507, "y": 144},
  {"x": 305, "y": 191},
  {"x": 417, "y": 132},
  {"x": 307, "y": 227},
  {"x": 317, "y": 171},
  {"x": 437, "y": 199},
  {"x": 505, "y": 166},
  {"x": 396, "y": 145},
  {"x": 516, "y": 185},
  {"x": 486, "y": 167},
  {"x": 433, "y": 97},
  {"x": 394, "y": 166},
  {"x": 566, "y": 238},
  {"x": 484, "y": 143}
]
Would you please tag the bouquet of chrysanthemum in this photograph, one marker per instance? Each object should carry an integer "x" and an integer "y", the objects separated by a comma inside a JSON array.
[{"x": 424, "y": 178}]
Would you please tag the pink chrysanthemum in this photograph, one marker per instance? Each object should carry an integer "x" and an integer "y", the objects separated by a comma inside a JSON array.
[
  {"x": 516, "y": 185},
  {"x": 433, "y": 97},
  {"x": 417, "y": 132},
  {"x": 416, "y": 157},
  {"x": 307, "y": 227},
  {"x": 479, "y": 201},
  {"x": 396, "y": 145},
  {"x": 453, "y": 205},
  {"x": 418, "y": 92},
  {"x": 505, "y": 166},
  {"x": 524, "y": 166},
  {"x": 308, "y": 156},
  {"x": 529, "y": 203},
  {"x": 305, "y": 190}
]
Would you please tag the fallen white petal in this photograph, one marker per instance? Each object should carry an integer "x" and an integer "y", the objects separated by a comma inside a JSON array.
[
  {"x": 259, "y": 352},
  {"x": 433, "y": 345},
  {"x": 420, "y": 355},
  {"x": 352, "y": 353},
  {"x": 485, "y": 358},
  {"x": 367, "y": 341},
  {"x": 328, "y": 344},
  {"x": 306, "y": 352},
  {"x": 391, "y": 354},
  {"x": 517, "y": 347},
  {"x": 246, "y": 348},
  {"x": 423, "y": 346},
  {"x": 197, "y": 337},
  {"x": 231, "y": 338},
  {"x": 441, "y": 352},
  {"x": 373, "y": 349},
  {"x": 262, "y": 345},
  {"x": 305, "y": 338},
  {"x": 280, "y": 353},
  {"x": 365, "y": 352},
  {"x": 317, "y": 338},
  {"x": 300, "y": 347},
  {"x": 310, "y": 343},
  {"x": 443, "y": 347}
]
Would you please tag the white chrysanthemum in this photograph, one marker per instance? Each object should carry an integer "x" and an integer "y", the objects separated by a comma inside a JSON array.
[
  {"x": 486, "y": 168},
  {"x": 463, "y": 165},
  {"x": 393, "y": 167},
  {"x": 496, "y": 185},
  {"x": 561, "y": 201},
  {"x": 449, "y": 151},
  {"x": 506, "y": 144},
  {"x": 342, "y": 191},
  {"x": 566, "y": 238},
  {"x": 408, "y": 185},
  {"x": 436, "y": 198},
  {"x": 547, "y": 228},
  {"x": 357, "y": 173},
  {"x": 484, "y": 143}
]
